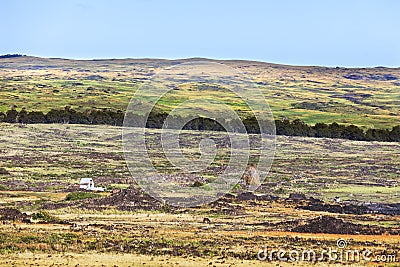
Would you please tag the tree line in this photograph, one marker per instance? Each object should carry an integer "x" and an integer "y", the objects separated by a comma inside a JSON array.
[
  {"x": 66, "y": 116},
  {"x": 156, "y": 120}
]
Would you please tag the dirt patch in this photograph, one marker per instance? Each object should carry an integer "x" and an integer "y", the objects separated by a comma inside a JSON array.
[{"x": 332, "y": 225}]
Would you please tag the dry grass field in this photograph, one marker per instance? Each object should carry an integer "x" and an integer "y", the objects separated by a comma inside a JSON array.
[
  {"x": 318, "y": 190},
  {"x": 42, "y": 164}
]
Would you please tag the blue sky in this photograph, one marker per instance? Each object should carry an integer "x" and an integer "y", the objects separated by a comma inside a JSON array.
[{"x": 328, "y": 33}]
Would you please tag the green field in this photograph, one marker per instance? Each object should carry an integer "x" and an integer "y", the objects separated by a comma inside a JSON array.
[{"x": 369, "y": 97}]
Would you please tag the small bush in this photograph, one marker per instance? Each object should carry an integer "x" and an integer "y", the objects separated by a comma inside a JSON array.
[
  {"x": 81, "y": 195},
  {"x": 3, "y": 187},
  {"x": 206, "y": 187},
  {"x": 45, "y": 217},
  {"x": 197, "y": 184},
  {"x": 237, "y": 186}
]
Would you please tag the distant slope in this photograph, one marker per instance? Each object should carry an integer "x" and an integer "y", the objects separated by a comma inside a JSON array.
[{"x": 367, "y": 97}]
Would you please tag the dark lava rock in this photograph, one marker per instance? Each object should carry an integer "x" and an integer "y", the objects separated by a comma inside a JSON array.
[
  {"x": 331, "y": 225},
  {"x": 9, "y": 214},
  {"x": 384, "y": 208},
  {"x": 335, "y": 208},
  {"x": 246, "y": 196},
  {"x": 4, "y": 171},
  {"x": 353, "y": 77},
  {"x": 297, "y": 196},
  {"x": 375, "y": 208},
  {"x": 131, "y": 198},
  {"x": 372, "y": 77}
]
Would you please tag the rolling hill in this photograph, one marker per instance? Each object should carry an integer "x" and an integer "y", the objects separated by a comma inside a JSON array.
[{"x": 366, "y": 97}]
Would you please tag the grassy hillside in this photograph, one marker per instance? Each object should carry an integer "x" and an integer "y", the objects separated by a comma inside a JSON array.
[{"x": 367, "y": 97}]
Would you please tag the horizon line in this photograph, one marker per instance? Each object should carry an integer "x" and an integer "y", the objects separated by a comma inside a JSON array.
[{"x": 205, "y": 58}]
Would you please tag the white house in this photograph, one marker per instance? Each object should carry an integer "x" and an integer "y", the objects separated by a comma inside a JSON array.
[{"x": 88, "y": 184}]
